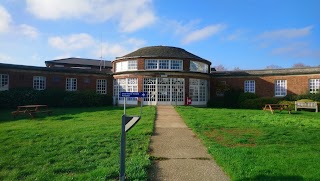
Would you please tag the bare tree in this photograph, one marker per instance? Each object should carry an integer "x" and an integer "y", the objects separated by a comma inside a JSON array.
[
  {"x": 220, "y": 68},
  {"x": 299, "y": 65},
  {"x": 236, "y": 69},
  {"x": 273, "y": 67}
]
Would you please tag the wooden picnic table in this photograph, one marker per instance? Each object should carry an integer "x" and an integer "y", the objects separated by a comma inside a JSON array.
[
  {"x": 32, "y": 110},
  {"x": 272, "y": 107}
]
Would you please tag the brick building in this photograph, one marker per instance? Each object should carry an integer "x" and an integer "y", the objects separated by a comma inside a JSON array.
[{"x": 170, "y": 75}]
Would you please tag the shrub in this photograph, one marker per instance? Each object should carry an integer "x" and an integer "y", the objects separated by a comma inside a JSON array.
[
  {"x": 290, "y": 103},
  {"x": 53, "y": 98},
  {"x": 247, "y": 95},
  {"x": 231, "y": 98},
  {"x": 258, "y": 103}
]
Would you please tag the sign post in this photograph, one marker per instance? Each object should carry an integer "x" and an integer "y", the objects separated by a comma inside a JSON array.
[{"x": 127, "y": 123}]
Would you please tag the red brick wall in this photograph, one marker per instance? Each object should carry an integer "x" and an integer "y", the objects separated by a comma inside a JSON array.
[
  {"x": 296, "y": 84},
  {"x": 55, "y": 80}
]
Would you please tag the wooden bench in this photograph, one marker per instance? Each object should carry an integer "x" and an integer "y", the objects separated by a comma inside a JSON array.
[
  {"x": 272, "y": 107},
  {"x": 32, "y": 110},
  {"x": 306, "y": 105}
]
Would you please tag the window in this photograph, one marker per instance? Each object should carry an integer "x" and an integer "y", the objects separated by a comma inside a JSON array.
[
  {"x": 198, "y": 90},
  {"x": 71, "y": 84},
  {"x": 221, "y": 88},
  {"x": 198, "y": 67},
  {"x": 249, "y": 86},
  {"x": 125, "y": 85},
  {"x": 280, "y": 88},
  {"x": 132, "y": 65},
  {"x": 126, "y": 65},
  {"x": 176, "y": 64},
  {"x": 314, "y": 86},
  {"x": 163, "y": 64},
  {"x": 151, "y": 64},
  {"x": 101, "y": 86},
  {"x": 39, "y": 83},
  {"x": 4, "y": 82}
]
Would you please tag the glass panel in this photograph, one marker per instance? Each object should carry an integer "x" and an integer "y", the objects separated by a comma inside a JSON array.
[
  {"x": 164, "y": 64},
  {"x": 4, "y": 82}
]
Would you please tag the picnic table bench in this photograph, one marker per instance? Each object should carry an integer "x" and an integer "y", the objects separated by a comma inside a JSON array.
[
  {"x": 32, "y": 110},
  {"x": 272, "y": 107}
]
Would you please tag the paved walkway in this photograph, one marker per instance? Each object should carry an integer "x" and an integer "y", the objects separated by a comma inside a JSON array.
[{"x": 179, "y": 153}]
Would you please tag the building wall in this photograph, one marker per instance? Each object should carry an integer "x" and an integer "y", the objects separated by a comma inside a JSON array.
[
  {"x": 55, "y": 80},
  {"x": 265, "y": 85}
]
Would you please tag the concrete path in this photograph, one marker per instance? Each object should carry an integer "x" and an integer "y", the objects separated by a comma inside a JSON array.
[{"x": 179, "y": 153}]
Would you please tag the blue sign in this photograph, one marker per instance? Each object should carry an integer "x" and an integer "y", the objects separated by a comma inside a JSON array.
[{"x": 133, "y": 94}]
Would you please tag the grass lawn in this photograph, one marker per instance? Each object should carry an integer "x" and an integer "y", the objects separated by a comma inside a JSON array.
[
  {"x": 73, "y": 144},
  {"x": 258, "y": 145}
]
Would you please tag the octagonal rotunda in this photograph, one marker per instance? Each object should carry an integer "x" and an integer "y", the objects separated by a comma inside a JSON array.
[{"x": 169, "y": 75}]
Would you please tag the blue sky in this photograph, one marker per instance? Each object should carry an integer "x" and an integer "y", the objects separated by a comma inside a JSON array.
[{"x": 248, "y": 34}]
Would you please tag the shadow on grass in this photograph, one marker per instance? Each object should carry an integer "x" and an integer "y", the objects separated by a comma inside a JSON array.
[
  {"x": 272, "y": 178},
  {"x": 60, "y": 114}
]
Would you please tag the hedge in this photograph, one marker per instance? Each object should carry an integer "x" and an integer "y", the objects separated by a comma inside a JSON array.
[
  {"x": 53, "y": 98},
  {"x": 237, "y": 99}
]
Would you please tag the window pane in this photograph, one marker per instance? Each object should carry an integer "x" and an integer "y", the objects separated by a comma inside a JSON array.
[
  {"x": 281, "y": 88},
  {"x": 4, "y": 82},
  {"x": 249, "y": 86},
  {"x": 314, "y": 86},
  {"x": 39, "y": 83},
  {"x": 101, "y": 86},
  {"x": 176, "y": 64},
  {"x": 163, "y": 64},
  {"x": 151, "y": 64},
  {"x": 71, "y": 84},
  {"x": 198, "y": 67}
]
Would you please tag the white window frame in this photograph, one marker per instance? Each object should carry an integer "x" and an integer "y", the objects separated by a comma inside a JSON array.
[
  {"x": 101, "y": 86},
  {"x": 163, "y": 64},
  {"x": 39, "y": 82},
  {"x": 314, "y": 86},
  {"x": 176, "y": 65},
  {"x": 196, "y": 66},
  {"x": 125, "y": 85},
  {"x": 71, "y": 84},
  {"x": 132, "y": 65},
  {"x": 4, "y": 82},
  {"x": 280, "y": 88},
  {"x": 250, "y": 86},
  {"x": 198, "y": 91},
  {"x": 126, "y": 65}
]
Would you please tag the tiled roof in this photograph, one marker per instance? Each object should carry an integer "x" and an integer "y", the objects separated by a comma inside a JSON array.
[
  {"x": 161, "y": 52},
  {"x": 81, "y": 61},
  {"x": 35, "y": 68}
]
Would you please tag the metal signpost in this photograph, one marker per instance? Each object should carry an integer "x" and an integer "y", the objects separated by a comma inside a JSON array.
[{"x": 127, "y": 123}]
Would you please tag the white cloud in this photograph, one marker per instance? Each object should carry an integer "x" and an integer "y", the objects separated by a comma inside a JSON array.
[
  {"x": 113, "y": 50},
  {"x": 203, "y": 33},
  {"x": 5, "y": 20},
  {"x": 72, "y": 42},
  {"x": 285, "y": 33},
  {"x": 180, "y": 27},
  {"x": 6, "y": 58},
  {"x": 236, "y": 35},
  {"x": 56, "y": 9},
  {"x": 29, "y": 31},
  {"x": 130, "y": 15},
  {"x": 297, "y": 50},
  {"x": 136, "y": 42}
]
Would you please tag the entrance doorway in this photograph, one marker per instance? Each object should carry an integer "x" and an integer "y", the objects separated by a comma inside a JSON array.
[{"x": 164, "y": 91}]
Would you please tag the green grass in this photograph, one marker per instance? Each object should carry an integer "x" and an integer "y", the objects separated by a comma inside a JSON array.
[
  {"x": 258, "y": 145},
  {"x": 73, "y": 144}
]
